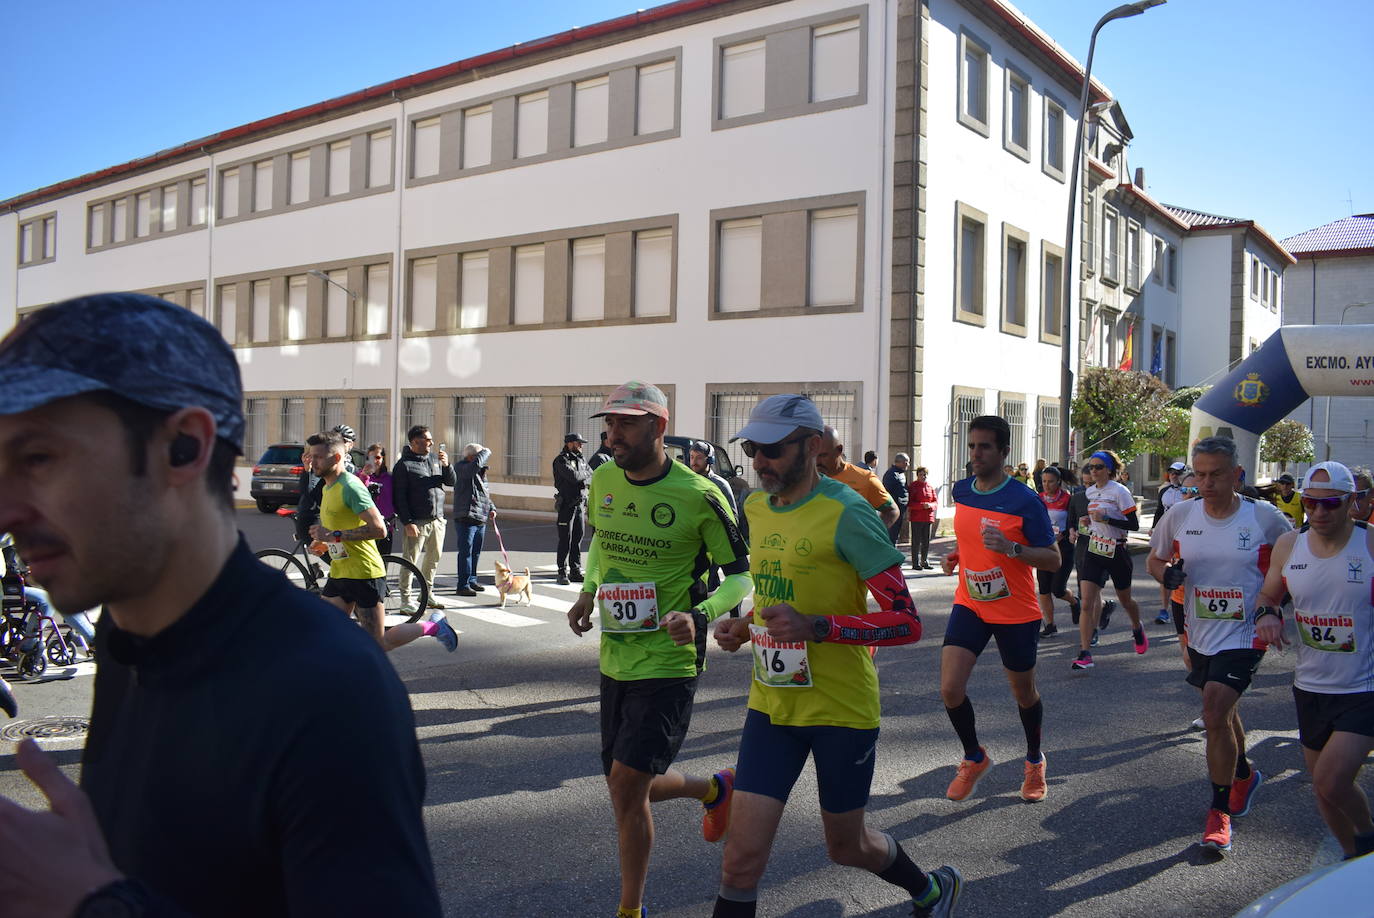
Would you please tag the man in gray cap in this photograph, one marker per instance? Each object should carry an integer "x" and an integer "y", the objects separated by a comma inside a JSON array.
[
  {"x": 201, "y": 792},
  {"x": 814, "y": 692},
  {"x": 570, "y": 477}
]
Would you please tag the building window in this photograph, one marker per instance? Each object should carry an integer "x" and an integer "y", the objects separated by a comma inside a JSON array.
[
  {"x": 528, "y": 297},
  {"x": 578, "y": 411},
  {"x": 833, "y": 257},
  {"x": 655, "y": 105},
  {"x": 228, "y": 194},
  {"x": 336, "y": 297},
  {"x": 1054, "y": 139},
  {"x": 262, "y": 186},
  {"x": 1049, "y": 429},
  {"x": 295, "y": 307},
  {"x": 1274, "y": 292},
  {"x": 379, "y": 159},
  {"x": 1016, "y": 114},
  {"x": 523, "y": 418},
  {"x": 418, "y": 411},
  {"x": 963, "y": 409},
  {"x": 227, "y": 312},
  {"x": 261, "y": 311},
  {"x": 591, "y": 111},
  {"x": 472, "y": 311},
  {"x": 588, "y": 279},
  {"x": 38, "y": 240},
  {"x": 196, "y": 301},
  {"x": 1111, "y": 246},
  {"x": 653, "y": 272},
  {"x": 1051, "y": 293},
  {"x": 293, "y": 420},
  {"x": 95, "y": 226},
  {"x": 835, "y": 60},
  {"x": 143, "y": 214},
  {"x": 1015, "y": 245},
  {"x": 169, "y": 208},
  {"x": 1170, "y": 358},
  {"x": 425, "y": 148},
  {"x": 740, "y": 272},
  {"x": 742, "y": 79},
  {"x": 532, "y": 124},
  {"x": 1014, "y": 410},
  {"x": 372, "y": 422},
  {"x": 1171, "y": 272},
  {"x": 424, "y": 294},
  {"x": 332, "y": 415},
  {"x": 299, "y": 164},
  {"x": 476, "y": 137},
  {"x": 1132, "y": 256},
  {"x": 255, "y": 428},
  {"x": 1157, "y": 268},
  {"x": 1264, "y": 285},
  {"x": 378, "y": 299},
  {"x": 469, "y": 420},
  {"x": 973, "y": 83},
  {"x": 1090, "y": 232},
  {"x": 969, "y": 265},
  {"x": 340, "y": 167},
  {"x": 119, "y": 224},
  {"x": 730, "y": 411},
  {"x": 198, "y": 201}
]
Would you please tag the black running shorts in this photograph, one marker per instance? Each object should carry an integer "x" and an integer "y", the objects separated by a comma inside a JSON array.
[
  {"x": 1054, "y": 583},
  {"x": 1096, "y": 569},
  {"x": 1232, "y": 668},
  {"x": 1320, "y": 715},
  {"x": 1016, "y": 643},
  {"x": 365, "y": 593},
  {"x": 644, "y": 721}
]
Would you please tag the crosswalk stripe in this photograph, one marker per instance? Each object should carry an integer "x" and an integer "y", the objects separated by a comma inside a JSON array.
[{"x": 498, "y": 617}]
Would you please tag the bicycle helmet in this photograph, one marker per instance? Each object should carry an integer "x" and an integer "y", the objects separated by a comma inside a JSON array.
[{"x": 348, "y": 433}]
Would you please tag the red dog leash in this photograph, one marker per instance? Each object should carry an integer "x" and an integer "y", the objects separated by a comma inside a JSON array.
[{"x": 500, "y": 541}]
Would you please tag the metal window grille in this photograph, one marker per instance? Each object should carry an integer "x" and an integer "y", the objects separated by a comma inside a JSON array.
[
  {"x": 730, "y": 411},
  {"x": 469, "y": 420},
  {"x": 293, "y": 420},
  {"x": 1049, "y": 431},
  {"x": 577, "y": 415},
  {"x": 332, "y": 415},
  {"x": 1014, "y": 411},
  {"x": 255, "y": 428},
  {"x": 419, "y": 409},
  {"x": 523, "y": 416},
  {"x": 963, "y": 410},
  {"x": 372, "y": 423}
]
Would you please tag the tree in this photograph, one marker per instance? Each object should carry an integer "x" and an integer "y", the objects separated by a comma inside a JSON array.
[
  {"x": 1285, "y": 442},
  {"x": 1131, "y": 413}
]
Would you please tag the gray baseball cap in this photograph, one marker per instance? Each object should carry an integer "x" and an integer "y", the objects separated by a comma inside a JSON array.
[
  {"x": 777, "y": 416},
  {"x": 131, "y": 345}
]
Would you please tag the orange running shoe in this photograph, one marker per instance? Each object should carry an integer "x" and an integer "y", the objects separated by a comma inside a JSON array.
[
  {"x": 1033, "y": 787},
  {"x": 716, "y": 819},
  {"x": 1217, "y": 833},
  {"x": 968, "y": 776}
]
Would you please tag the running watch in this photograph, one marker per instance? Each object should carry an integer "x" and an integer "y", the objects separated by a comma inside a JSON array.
[{"x": 123, "y": 898}]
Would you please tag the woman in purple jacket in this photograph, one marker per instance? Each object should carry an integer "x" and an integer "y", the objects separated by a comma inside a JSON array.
[{"x": 377, "y": 477}]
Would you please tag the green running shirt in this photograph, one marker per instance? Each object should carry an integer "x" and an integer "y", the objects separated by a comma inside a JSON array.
[
  {"x": 658, "y": 532},
  {"x": 342, "y": 507}
]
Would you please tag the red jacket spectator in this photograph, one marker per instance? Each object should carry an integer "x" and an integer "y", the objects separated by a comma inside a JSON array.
[{"x": 923, "y": 501}]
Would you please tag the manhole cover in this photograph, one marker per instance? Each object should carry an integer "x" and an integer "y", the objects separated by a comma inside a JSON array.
[{"x": 46, "y": 728}]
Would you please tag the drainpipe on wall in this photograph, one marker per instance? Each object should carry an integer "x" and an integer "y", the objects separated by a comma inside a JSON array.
[
  {"x": 402, "y": 147},
  {"x": 917, "y": 131}
]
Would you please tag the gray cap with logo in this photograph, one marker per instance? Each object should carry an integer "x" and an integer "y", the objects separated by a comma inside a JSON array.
[
  {"x": 139, "y": 347},
  {"x": 777, "y": 416}
]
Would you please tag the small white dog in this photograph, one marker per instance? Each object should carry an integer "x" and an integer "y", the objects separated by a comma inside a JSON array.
[{"x": 508, "y": 582}]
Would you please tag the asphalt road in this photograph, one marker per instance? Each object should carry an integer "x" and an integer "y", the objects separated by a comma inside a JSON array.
[{"x": 519, "y": 822}]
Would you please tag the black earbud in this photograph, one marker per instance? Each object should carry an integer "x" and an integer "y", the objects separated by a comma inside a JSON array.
[{"x": 185, "y": 449}]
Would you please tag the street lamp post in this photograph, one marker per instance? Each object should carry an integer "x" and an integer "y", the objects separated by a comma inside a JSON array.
[
  {"x": 1326, "y": 424},
  {"x": 1070, "y": 278}
]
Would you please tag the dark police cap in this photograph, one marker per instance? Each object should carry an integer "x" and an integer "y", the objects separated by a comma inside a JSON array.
[{"x": 139, "y": 347}]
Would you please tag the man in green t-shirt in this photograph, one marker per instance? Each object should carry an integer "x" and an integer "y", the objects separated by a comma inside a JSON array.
[
  {"x": 349, "y": 526},
  {"x": 818, "y": 552},
  {"x": 658, "y": 527}
]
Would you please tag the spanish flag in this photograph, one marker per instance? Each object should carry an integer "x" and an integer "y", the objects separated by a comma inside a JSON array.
[{"x": 1125, "y": 364}]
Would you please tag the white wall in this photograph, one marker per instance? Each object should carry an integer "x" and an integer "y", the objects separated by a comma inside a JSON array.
[{"x": 1204, "y": 340}]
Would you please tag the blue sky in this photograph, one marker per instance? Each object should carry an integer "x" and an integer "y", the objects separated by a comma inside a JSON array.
[{"x": 1256, "y": 109}]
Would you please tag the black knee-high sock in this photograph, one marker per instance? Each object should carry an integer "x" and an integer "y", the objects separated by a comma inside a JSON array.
[
  {"x": 1031, "y": 719},
  {"x": 735, "y": 903},
  {"x": 963, "y": 720},
  {"x": 1242, "y": 766},
  {"x": 1221, "y": 797},
  {"x": 901, "y": 871}
]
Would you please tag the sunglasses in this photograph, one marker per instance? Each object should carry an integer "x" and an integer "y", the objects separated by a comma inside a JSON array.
[
  {"x": 1094, "y": 467},
  {"x": 768, "y": 450},
  {"x": 1330, "y": 503},
  {"x": 1188, "y": 490}
]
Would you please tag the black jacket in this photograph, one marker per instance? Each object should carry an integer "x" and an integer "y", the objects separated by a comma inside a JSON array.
[
  {"x": 417, "y": 486},
  {"x": 571, "y": 474},
  {"x": 471, "y": 500},
  {"x": 894, "y": 479},
  {"x": 602, "y": 454}
]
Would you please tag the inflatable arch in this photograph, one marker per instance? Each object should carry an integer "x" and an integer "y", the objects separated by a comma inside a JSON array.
[{"x": 1296, "y": 363}]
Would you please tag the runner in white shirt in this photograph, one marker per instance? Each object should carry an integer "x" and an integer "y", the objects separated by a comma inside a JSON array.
[
  {"x": 1218, "y": 547},
  {"x": 1327, "y": 568},
  {"x": 1111, "y": 514}
]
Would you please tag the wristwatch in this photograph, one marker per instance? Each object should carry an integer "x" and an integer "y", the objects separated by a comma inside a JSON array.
[
  {"x": 124, "y": 898},
  {"x": 1015, "y": 550},
  {"x": 820, "y": 628},
  {"x": 338, "y": 535}
]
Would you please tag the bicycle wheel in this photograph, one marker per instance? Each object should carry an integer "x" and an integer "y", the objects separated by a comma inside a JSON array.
[
  {"x": 289, "y": 565},
  {"x": 395, "y": 607}
]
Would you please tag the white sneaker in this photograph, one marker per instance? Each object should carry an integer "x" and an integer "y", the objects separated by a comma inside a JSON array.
[
  {"x": 1199, "y": 725},
  {"x": 409, "y": 609}
]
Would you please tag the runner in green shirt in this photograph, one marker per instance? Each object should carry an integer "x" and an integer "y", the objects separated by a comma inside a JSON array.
[{"x": 657, "y": 524}]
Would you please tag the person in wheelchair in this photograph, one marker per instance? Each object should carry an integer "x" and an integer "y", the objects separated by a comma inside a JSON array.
[{"x": 11, "y": 567}]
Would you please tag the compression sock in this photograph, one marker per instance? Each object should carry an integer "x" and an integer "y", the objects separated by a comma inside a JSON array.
[
  {"x": 1221, "y": 797},
  {"x": 712, "y": 791},
  {"x": 900, "y": 871},
  {"x": 1031, "y": 719},
  {"x": 735, "y": 903},
  {"x": 1242, "y": 767},
  {"x": 429, "y": 628},
  {"x": 963, "y": 721}
]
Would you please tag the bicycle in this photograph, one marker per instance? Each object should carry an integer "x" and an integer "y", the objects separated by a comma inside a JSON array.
[{"x": 302, "y": 567}]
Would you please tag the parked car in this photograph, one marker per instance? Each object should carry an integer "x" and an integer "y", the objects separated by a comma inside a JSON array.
[
  {"x": 733, "y": 474},
  {"x": 277, "y": 476}
]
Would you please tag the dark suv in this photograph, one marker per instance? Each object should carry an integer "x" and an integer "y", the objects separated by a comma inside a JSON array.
[{"x": 277, "y": 476}]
